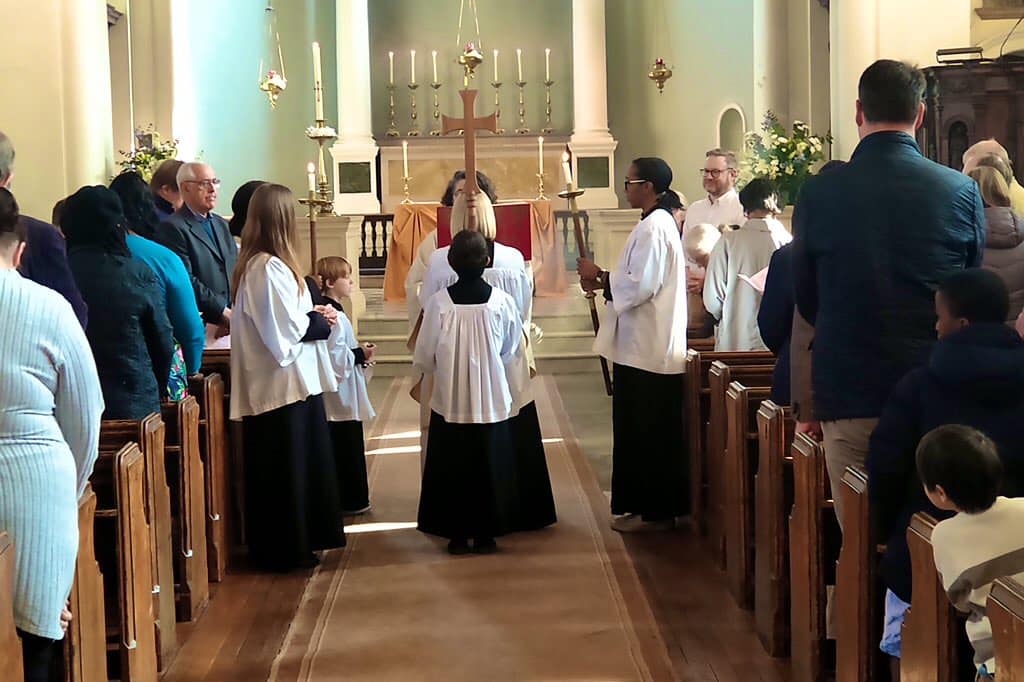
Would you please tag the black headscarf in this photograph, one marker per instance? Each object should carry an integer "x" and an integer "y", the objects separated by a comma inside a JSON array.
[
  {"x": 137, "y": 203},
  {"x": 93, "y": 216},
  {"x": 240, "y": 206}
]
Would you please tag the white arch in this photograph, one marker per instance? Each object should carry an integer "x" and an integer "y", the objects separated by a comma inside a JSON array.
[{"x": 718, "y": 124}]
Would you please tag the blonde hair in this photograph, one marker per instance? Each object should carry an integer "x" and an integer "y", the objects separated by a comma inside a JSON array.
[
  {"x": 992, "y": 184},
  {"x": 331, "y": 268},
  {"x": 486, "y": 223},
  {"x": 269, "y": 228},
  {"x": 700, "y": 240}
]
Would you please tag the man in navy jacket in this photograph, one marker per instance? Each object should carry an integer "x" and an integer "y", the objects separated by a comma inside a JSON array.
[{"x": 872, "y": 242}]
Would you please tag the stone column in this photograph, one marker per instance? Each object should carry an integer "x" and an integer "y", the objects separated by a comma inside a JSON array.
[
  {"x": 592, "y": 144},
  {"x": 355, "y": 151}
]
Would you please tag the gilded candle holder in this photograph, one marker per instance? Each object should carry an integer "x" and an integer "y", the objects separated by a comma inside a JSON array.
[
  {"x": 547, "y": 107},
  {"x": 436, "y": 131},
  {"x": 522, "y": 129},
  {"x": 413, "y": 116},
  {"x": 392, "y": 128},
  {"x": 321, "y": 133},
  {"x": 540, "y": 187},
  {"x": 405, "y": 189},
  {"x": 497, "y": 106}
]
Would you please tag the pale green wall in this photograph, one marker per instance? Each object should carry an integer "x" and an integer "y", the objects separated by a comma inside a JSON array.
[
  {"x": 425, "y": 25},
  {"x": 711, "y": 54},
  {"x": 236, "y": 130}
]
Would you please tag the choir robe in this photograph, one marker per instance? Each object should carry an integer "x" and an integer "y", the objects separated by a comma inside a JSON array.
[
  {"x": 347, "y": 409},
  {"x": 643, "y": 333},
  {"x": 280, "y": 369},
  {"x": 469, "y": 485},
  {"x": 508, "y": 273}
]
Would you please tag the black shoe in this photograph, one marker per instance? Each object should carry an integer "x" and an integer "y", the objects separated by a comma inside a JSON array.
[
  {"x": 458, "y": 547},
  {"x": 485, "y": 546}
]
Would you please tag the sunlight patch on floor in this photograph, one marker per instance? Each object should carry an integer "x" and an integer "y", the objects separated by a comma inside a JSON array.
[
  {"x": 397, "y": 436},
  {"x": 379, "y": 527},
  {"x": 397, "y": 450}
]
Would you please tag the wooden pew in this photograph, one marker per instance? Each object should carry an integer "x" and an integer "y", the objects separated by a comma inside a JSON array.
[
  {"x": 810, "y": 525},
  {"x": 701, "y": 345},
  {"x": 85, "y": 645},
  {"x": 773, "y": 501},
  {"x": 930, "y": 636},
  {"x": 1006, "y": 614},
  {"x": 858, "y": 599},
  {"x": 218, "y": 361},
  {"x": 149, "y": 434},
  {"x": 698, "y": 404},
  {"x": 122, "y": 548},
  {"x": 209, "y": 393},
  {"x": 188, "y": 508},
  {"x": 10, "y": 643},
  {"x": 722, "y": 373},
  {"x": 739, "y": 467}
]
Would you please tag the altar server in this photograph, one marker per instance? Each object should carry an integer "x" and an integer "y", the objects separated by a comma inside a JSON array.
[
  {"x": 644, "y": 334},
  {"x": 470, "y": 333},
  {"x": 280, "y": 369}
]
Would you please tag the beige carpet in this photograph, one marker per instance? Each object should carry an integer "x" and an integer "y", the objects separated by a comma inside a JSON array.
[{"x": 559, "y": 604}]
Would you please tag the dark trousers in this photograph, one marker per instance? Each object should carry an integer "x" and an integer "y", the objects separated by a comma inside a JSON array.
[{"x": 41, "y": 658}]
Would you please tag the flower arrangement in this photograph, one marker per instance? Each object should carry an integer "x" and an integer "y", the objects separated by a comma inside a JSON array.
[
  {"x": 150, "y": 151},
  {"x": 783, "y": 156}
]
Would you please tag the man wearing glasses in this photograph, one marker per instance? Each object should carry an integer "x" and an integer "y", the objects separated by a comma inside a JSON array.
[{"x": 202, "y": 240}]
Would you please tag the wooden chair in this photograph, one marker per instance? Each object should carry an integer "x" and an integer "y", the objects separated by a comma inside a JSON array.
[
  {"x": 929, "y": 640},
  {"x": 209, "y": 393},
  {"x": 10, "y": 643},
  {"x": 122, "y": 548},
  {"x": 698, "y": 404},
  {"x": 149, "y": 434},
  {"x": 85, "y": 646},
  {"x": 721, "y": 373},
  {"x": 1006, "y": 614},
  {"x": 188, "y": 508},
  {"x": 739, "y": 466},
  {"x": 809, "y": 527},
  {"x": 773, "y": 502}
]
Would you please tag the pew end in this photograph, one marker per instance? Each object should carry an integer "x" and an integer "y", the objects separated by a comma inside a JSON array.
[
  {"x": 10, "y": 643},
  {"x": 1006, "y": 614}
]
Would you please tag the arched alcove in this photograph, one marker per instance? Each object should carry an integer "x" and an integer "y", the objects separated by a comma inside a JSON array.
[{"x": 731, "y": 128}]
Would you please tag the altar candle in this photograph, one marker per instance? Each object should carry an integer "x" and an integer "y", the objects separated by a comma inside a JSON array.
[
  {"x": 567, "y": 170},
  {"x": 496, "y": 66},
  {"x": 412, "y": 65},
  {"x": 519, "y": 64},
  {"x": 391, "y": 68},
  {"x": 433, "y": 57},
  {"x": 318, "y": 95},
  {"x": 311, "y": 176},
  {"x": 540, "y": 154},
  {"x": 405, "y": 158},
  {"x": 547, "y": 64}
]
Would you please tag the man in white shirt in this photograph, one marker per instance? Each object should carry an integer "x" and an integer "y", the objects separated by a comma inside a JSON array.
[{"x": 644, "y": 335}]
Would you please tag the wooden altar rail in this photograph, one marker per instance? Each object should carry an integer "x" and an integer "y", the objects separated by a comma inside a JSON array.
[
  {"x": 10, "y": 643},
  {"x": 374, "y": 235},
  {"x": 85, "y": 646},
  {"x": 1006, "y": 614}
]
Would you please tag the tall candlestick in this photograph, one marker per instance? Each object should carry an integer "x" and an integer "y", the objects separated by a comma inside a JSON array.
[
  {"x": 433, "y": 58},
  {"x": 318, "y": 94},
  {"x": 547, "y": 63},
  {"x": 311, "y": 176},
  {"x": 412, "y": 65},
  {"x": 540, "y": 154},
  {"x": 519, "y": 64},
  {"x": 496, "y": 67},
  {"x": 405, "y": 159},
  {"x": 391, "y": 68}
]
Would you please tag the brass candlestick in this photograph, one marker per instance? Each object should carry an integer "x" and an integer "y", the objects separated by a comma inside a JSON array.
[
  {"x": 321, "y": 133},
  {"x": 540, "y": 187},
  {"x": 392, "y": 128},
  {"x": 547, "y": 107},
  {"x": 436, "y": 132},
  {"x": 414, "y": 131},
  {"x": 522, "y": 129},
  {"x": 405, "y": 189},
  {"x": 317, "y": 206},
  {"x": 497, "y": 106}
]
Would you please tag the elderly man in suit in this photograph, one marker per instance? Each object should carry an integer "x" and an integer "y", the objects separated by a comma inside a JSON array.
[
  {"x": 45, "y": 260},
  {"x": 202, "y": 240}
]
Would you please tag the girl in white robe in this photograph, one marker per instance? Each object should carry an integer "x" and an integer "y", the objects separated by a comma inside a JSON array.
[{"x": 470, "y": 333}]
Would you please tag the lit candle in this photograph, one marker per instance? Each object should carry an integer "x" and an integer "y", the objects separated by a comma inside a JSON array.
[
  {"x": 412, "y": 65},
  {"x": 433, "y": 58},
  {"x": 547, "y": 64},
  {"x": 391, "y": 68},
  {"x": 318, "y": 95},
  {"x": 405, "y": 158},
  {"x": 496, "y": 67},
  {"x": 519, "y": 64},
  {"x": 567, "y": 170},
  {"x": 311, "y": 176},
  {"x": 540, "y": 154}
]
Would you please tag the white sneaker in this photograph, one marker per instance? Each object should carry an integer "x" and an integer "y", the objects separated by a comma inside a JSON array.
[{"x": 634, "y": 523}]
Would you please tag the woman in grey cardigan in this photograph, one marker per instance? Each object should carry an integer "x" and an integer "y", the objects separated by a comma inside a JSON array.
[
  {"x": 1004, "y": 240},
  {"x": 49, "y": 435}
]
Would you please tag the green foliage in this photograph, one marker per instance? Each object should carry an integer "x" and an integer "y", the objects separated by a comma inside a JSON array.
[
  {"x": 150, "y": 151},
  {"x": 783, "y": 156}
]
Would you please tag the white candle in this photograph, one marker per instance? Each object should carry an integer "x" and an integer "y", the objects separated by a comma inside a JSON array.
[
  {"x": 391, "y": 68},
  {"x": 412, "y": 65},
  {"x": 567, "y": 170},
  {"x": 405, "y": 158},
  {"x": 540, "y": 154},
  {"x": 433, "y": 58},
  {"x": 519, "y": 64},
  {"x": 547, "y": 64},
  {"x": 496, "y": 67},
  {"x": 318, "y": 95},
  {"x": 311, "y": 176}
]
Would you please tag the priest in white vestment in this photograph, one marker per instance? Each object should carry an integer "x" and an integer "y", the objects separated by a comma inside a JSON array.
[{"x": 643, "y": 333}]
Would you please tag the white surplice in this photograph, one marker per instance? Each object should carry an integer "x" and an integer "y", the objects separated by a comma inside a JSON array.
[
  {"x": 270, "y": 364},
  {"x": 417, "y": 271},
  {"x": 351, "y": 402},
  {"x": 644, "y": 325},
  {"x": 467, "y": 348}
]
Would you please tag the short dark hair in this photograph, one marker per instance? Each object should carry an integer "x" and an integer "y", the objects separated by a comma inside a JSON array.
[
  {"x": 760, "y": 194},
  {"x": 468, "y": 254},
  {"x": 240, "y": 206},
  {"x": 965, "y": 462},
  {"x": 165, "y": 175},
  {"x": 655, "y": 171},
  {"x": 482, "y": 181},
  {"x": 12, "y": 229},
  {"x": 976, "y": 294},
  {"x": 137, "y": 203},
  {"x": 891, "y": 91}
]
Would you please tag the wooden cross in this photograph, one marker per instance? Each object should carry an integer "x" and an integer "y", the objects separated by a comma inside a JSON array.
[{"x": 469, "y": 124}]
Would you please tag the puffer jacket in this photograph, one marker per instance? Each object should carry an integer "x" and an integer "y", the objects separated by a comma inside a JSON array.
[{"x": 1004, "y": 253}]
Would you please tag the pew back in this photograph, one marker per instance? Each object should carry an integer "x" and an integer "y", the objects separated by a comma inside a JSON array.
[
  {"x": 10, "y": 643},
  {"x": 85, "y": 649},
  {"x": 1006, "y": 614},
  {"x": 209, "y": 393}
]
